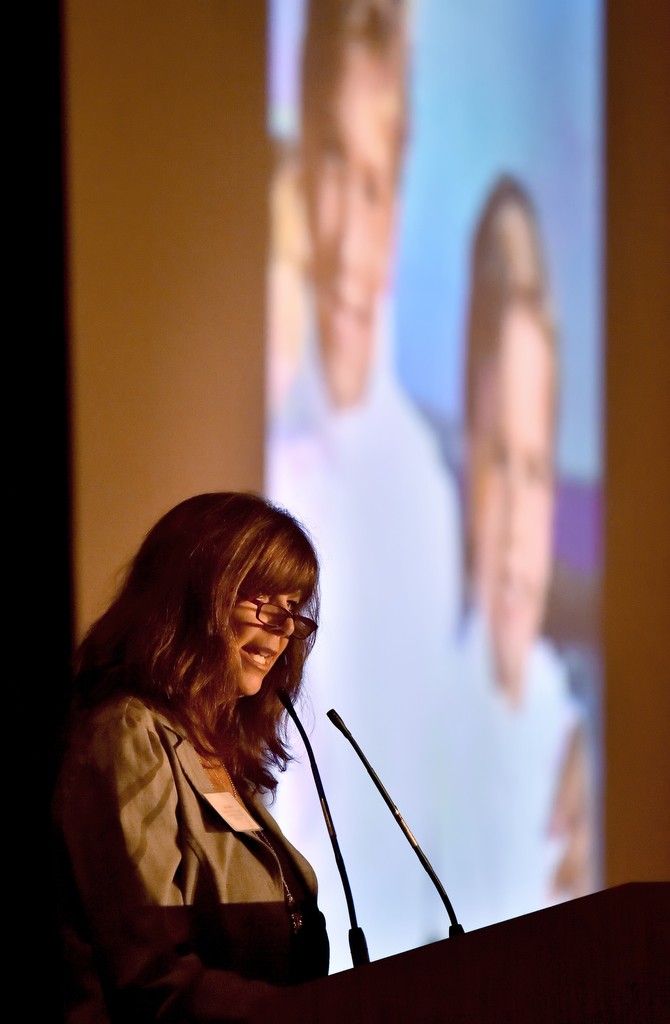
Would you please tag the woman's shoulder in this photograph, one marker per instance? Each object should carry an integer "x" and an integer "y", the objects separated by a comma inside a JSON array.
[
  {"x": 117, "y": 756},
  {"x": 120, "y": 712},
  {"x": 120, "y": 727}
]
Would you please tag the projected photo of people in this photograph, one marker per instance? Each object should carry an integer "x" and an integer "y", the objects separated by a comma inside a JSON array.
[
  {"x": 351, "y": 456},
  {"x": 433, "y": 418},
  {"x": 518, "y": 792}
]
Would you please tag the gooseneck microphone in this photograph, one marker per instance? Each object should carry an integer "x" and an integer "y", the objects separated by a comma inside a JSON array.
[
  {"x": 357, "y": 942},
  {"x": 454, "y": 928}
]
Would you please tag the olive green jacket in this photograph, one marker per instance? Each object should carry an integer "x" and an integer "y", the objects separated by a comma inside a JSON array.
[{"x": 167, "y": 912}]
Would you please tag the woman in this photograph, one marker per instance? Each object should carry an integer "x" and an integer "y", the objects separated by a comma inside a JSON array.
[{"x": 182, "y": 899}]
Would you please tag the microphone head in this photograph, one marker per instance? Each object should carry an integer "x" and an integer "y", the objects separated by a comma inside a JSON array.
[
  {"x": 284, "y": 698},
  {"x": 337, "y": 721}
]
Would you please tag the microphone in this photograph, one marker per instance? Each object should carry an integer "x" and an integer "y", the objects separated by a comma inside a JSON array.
[
  {"x": 454, "y": 928},
  {"x": 357, "y": 942}
]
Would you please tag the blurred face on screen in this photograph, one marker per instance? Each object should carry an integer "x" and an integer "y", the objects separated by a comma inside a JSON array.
[
  {"x": 513, "y": 491},
  {"x": 351, "y": 166}
]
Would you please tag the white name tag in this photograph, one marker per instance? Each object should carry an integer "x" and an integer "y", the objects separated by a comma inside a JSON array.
[{"x": 232, "y": 812}]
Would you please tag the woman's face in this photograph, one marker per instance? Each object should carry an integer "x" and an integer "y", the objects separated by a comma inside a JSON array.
[{"x": 259, "y": 646}]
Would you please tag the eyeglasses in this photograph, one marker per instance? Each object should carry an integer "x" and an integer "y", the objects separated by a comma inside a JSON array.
[{"x": 275, "y": 619}]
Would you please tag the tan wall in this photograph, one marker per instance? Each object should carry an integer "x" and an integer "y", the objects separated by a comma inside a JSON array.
[
  {"x": 167, "y": 222},
  {"x": 637, "y": 552},
  {"x": 166, "y": 166}
]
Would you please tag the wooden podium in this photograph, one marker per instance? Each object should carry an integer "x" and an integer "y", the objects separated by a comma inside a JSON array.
[{"x": 601, "y": 959}]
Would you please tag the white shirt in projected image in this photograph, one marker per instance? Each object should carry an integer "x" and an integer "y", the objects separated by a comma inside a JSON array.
[
  {"x": 501, "y": 766},
  {"x": 372, "y": 489}
]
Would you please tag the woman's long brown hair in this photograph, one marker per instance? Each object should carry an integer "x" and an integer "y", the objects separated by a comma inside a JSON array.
[{"x": 167, "y": 636}]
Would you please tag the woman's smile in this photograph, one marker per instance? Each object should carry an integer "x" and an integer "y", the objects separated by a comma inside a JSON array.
[{"x": 260, "y": 656}]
